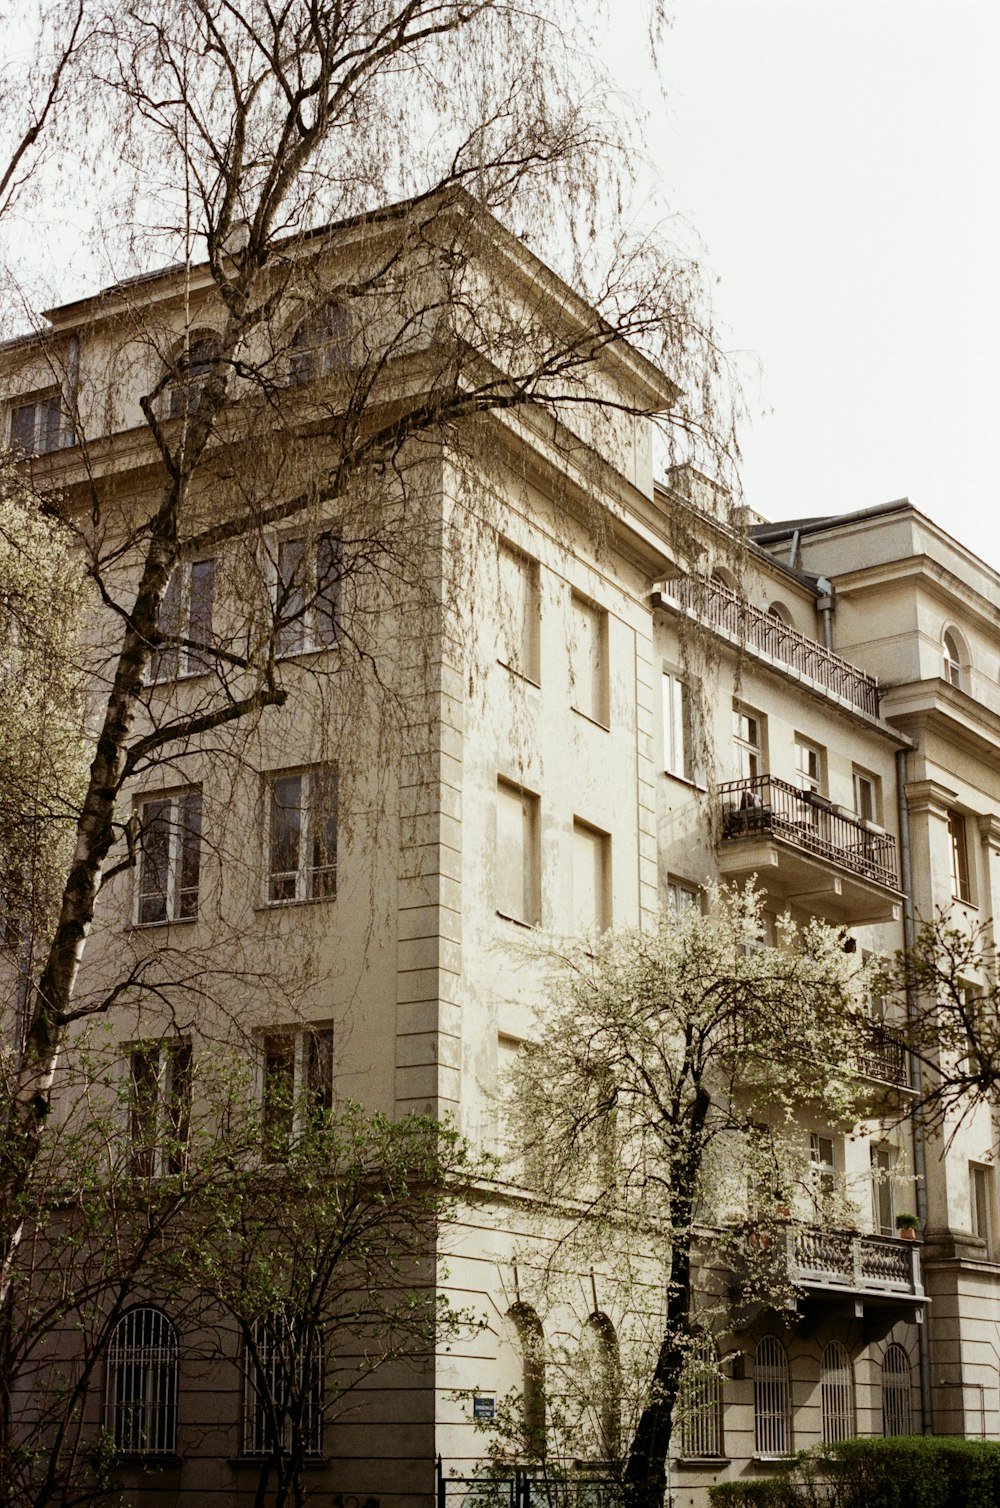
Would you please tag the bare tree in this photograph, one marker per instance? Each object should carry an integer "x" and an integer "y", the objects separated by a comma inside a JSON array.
[{"x": 238, "y": 127}]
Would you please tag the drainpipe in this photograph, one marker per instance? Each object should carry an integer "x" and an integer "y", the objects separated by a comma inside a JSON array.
[
  {"x": 919, "y": 1134},
  {"x": 73, "y": 388},
  {"x": 824, "y": 606}
]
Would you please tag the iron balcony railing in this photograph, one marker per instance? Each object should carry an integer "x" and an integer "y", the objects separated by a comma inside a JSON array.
[
  {"x": 883, "y": 1055},
  {"x": 724, "y": 610},
  {"x": 853, "y": 1263},
  {"x": 765, "y": 805}
]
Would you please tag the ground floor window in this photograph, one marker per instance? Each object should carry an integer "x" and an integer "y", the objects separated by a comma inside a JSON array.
[
  {"x": 897, "y": 1415},
  {"x": 837, "y": 1390},
  {"x": 771, "y": 1399},
  {"x": 701, "y": 1403},
  {"x": 141, "y": 1400}
]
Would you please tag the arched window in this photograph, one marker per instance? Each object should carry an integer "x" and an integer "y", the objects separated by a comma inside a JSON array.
[
  {"x": 953, "y": 660},
  {"x": 284, "y": 1386},
  {"x": 603, "y": 1375},
  {"x": 897, "y": 1414},
  {"x": 192, "y": 365},
  {"x": 523, "y": 1342},
  {"x": 321, "y": 344},
  {"x": 779, "y": 610},
  {"x": 772, "y": 1411},
  {"x": 701, "y": 1402},
  {"x": 837, "y": 1392},
  {"x": 141, "y": 1395}
]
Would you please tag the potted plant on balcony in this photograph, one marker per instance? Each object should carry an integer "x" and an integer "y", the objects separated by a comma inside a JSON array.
[{"x": 907, "y": 1226}]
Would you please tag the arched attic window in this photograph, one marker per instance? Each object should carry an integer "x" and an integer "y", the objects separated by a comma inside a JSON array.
[
  {"x": 191, "y": 366},
  {"x": 779, "y": 610},
  {"x": 320, "y": 345},
  {"x": 141, "y": 1392},
  {"x": 955, "y": 660}
]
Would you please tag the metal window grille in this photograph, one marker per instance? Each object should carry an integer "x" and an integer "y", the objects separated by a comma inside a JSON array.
[
  {"x": 897, "y": 1415},
  {"x": 284, "y": 1388},
  {"x": 701, "y": 1403},
  {"x": 771, "y": 1399},
  {"x": 837, "y": 1393},
  {"x": 141, "y": 1398}
]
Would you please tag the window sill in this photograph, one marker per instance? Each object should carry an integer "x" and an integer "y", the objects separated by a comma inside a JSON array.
[
  {"x": 148, "y": 1462},
  {"x": 170, "y": 921},
  {"x": 516, "y": 921},
  {"x": 306, "y": 900},
  {"x": 596, "y": 722},
  {"x": 704, "y": 1463},
  {"x": 255, "y": 1463},
  {"x": 692, "y": 785},
  {"x": 785, "y": 1460},
  {"x": 529, "y": 680},
  {"x": 304, "y": 652}
]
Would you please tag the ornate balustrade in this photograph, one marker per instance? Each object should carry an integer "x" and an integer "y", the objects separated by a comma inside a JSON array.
[
  {"x": 852, "y": 1263},
  {"x": 725, "y": 611},
  {"x": 765, "y": 805}
]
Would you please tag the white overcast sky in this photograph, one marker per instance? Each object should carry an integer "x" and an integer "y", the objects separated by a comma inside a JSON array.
[{"x": 840, "y": 164}]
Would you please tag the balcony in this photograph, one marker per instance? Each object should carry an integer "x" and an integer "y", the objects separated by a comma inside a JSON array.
[
  {"x": 805, "y": 850},
  {"x": 884, "y": 1056},
  {"x": 766, "y": 637},
  {"x": 832, "y": 1262}
]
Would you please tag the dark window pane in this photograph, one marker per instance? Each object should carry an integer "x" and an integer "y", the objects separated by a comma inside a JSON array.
[
  {"x": 279, "y": 1090},
  {"x": 49, "y": 424},
  {"x": 286, "y": 824},
  {"x": 22, "y": 429},
  {"x": 323, "y": 834},
  {"x": 329, "y": 569},
  {"x": 291, "y": 599},
  {"x": 190, "y": 845},
  {"x": 179, "y": 1105},
  {"x": 164, "y": 663},
  {"x": 320, "y": 1069},
  {"x": 154, "y": 861},
  {"x": 200, "y": 612},
  {"x": 144, "y": 1065}
]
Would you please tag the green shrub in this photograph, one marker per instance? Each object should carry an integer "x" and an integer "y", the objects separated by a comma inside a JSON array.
[
  {"x": 755, "y": 1492},
  {"x": 916, "y": 1471}
]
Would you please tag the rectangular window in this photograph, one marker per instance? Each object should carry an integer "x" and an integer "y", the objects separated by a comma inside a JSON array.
[
  {"x": 808, "y": 765},
  {"x": 883, "y": 1194},
  {"x": 302, "y": 835},
  {"x": 824, "y": 1170},
  {"x": 678, "y": 739},
  {"x": 867, "y": 796},
  {"x": 516, "y": 854},
  {"x": 297, "y": 1090},
  {"x": 961, "y": 888},
  {"x": 591, "y": 879},
  {"x": 682, "y": 898},
  {"x": 186, "y": 619},
  {"x": 169, "y": 858},
  {"x": 981, "y": 1199},
  {"x": 307, "y": 593},
  {"x": 589, "y": 688},
  {"x": 36, "y": 425},
  {"x": 159, "y": 1105},
  {"x": 748, "y": 743},
  {"x": 519, "y": 636}
]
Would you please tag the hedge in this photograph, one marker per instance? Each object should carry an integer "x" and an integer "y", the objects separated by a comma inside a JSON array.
[{"x": 909, "y": 1471}]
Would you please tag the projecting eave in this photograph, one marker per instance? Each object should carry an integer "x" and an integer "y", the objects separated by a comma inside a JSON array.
[{"x": 934, "y": 706}]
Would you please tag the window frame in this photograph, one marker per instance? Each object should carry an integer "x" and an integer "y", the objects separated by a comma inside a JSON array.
[
  {"x": 263, "y": 1352},
  {"x": 185, "y": 821},
  {"x": 324, "y": 348},
  {"x": 838, "y": 1394},
  {"x": 883, "y": 1166},
  {"x": 677, "y": 888},
  {"x": 861, "y": 778},
  {"x": 810, "y": 782},
  {"x": 46, "y": 437},
  {"x": 953, "y": 663},
  {"x": 177, "y": 661},
  {"x": 677, "y": 725},
  {"x": 772, "y": 1401},
  {"x": 749, "y": 753},
  {"x": 529, "y": 912},
  {"x": 896, "y": 1387},
  {"x": 592, "y": 675},
  {"x": 154, "y": 1372},
  {"x": 311, "y": 882},
  {"x": 822, "y": 1170},
  {"x": 525, "y": 658},
  {"x": 601, "y": 851},
  {"x": 982, "y": 1205},
  {"x": 189, "y": 373},
  {"x": 959, "y": 859},
  {"x": 159, "y": 1104},
  {"x": 315, "y": 626},
  {"x": 702, "y": 1412},
  {"x": 310, "y": 1089}
]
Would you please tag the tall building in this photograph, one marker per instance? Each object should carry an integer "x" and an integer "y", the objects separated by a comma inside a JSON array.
[{"x": 589, "y": 704}]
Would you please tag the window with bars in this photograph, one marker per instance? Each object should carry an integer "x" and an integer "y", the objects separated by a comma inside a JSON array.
[
  {"x": 772, "y": 1404},
  {"x": 284, "y": 1387},
  {"x": 897, "y": 1411},
  {"x": 837, "y": 1393},
  {"x": 701, "y": 1402},
  {"x": 302, "y": 835},
  {"x": 169, "y": 858},
  {"x": 142, "y": 1375}
]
